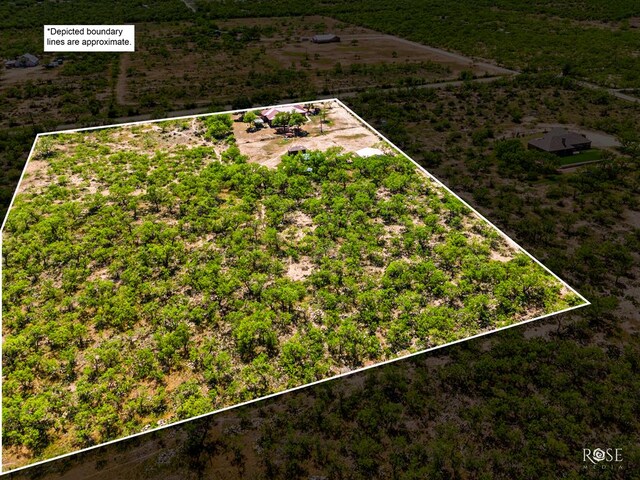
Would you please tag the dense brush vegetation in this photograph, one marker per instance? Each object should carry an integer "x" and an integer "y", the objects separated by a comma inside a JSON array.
[
  {"x": 522, "y": 408},
  {"x": 506, "y": 406},
  {"x": 588, "y": 38},
  {"x": 141, "y": 287},
  {"x": 518, "y": 411}
]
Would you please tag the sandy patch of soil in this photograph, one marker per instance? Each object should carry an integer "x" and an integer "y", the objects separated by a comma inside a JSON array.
[
  {"x": 300, "y": 270},
  {"x": 35, "y": 176},
  {"x": 15, "y": 76}
]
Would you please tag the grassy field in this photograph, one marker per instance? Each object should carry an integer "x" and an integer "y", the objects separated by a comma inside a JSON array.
[{"x": 590, "y": 155}]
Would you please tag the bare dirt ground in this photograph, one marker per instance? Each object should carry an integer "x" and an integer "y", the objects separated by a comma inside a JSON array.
[
  {"x": 359, "y": 44},
  {"x": 374, "y": 47},
  {"x": 456, "y": 61},
  {"x": 35, "y": 176},
  {"x": 13, "y": 76},
  {"x": 613, "y": 91},
  {"x": 343, "y": 131},
  {"x": 121, "y": 83}
]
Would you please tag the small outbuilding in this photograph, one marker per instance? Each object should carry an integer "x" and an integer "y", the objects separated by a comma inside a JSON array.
[
  {"x": 23, "y": 61},
  {"x": 325, "y": 38},
  {"x": 295, "y": 149},
  {"x": 28, "y": 60},
  {"x": 560, "y": 142}
]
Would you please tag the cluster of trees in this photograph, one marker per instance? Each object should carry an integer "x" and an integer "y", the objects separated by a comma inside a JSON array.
[
  {"x": 23, "y": 14},
  {"x": 83, "y": 102},
  {"x": 565, "y": 219},
  {"x": 218, "y": 127},
  {"x": 385, "y": 74},
  {"x": 552, "y": 212},
  {"x": 287, "y": 120},
  {"x": 514, "y": 159},
  {"x": 185, "y": 261},
  {"x": 12, "y": 156},
  {"x": 408, "y": 420}
]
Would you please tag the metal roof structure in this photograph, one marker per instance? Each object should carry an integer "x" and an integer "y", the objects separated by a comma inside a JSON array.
[
  {"x": 270, "y": 113},
  {"x": 369, "y": 152}
]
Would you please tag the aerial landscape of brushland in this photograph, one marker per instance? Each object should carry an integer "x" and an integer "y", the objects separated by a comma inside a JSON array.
[
  {"x": 275, "y": 58},
  {"x": 207, "y": 65},
  {"x": 483, "y": 409},
  {"x": 588, "y": 39},
  {"x": 579, "y": 371},
  {"x": 159, "y": 271},
  {"x": 226, "y": 63},
  {"x": 79, "y": 90},
  {"x": 583, "y": 221},
  {"x": 223, "y": 55},
  {"x": 522, "y": 403}
]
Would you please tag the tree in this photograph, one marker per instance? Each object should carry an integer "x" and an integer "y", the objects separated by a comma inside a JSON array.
[
  {"x": 218, "y": 127},
  {"x": 173, "y": 345},
  {"x": 323, "y": 117},
  {"x": 288, "y": 119},
  {"x": 249, "y": 117},
  {"x": 254, "y": 333},
  {"x": 190, "y": 400}
]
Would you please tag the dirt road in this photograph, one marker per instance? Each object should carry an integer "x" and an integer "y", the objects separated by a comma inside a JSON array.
[{"x": 495, "y": 69}]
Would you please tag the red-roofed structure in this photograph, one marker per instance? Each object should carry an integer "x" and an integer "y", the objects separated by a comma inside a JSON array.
[{"x": 270, "y": 113}]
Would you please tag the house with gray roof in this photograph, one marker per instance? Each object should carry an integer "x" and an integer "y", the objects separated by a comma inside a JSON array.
[
  {"x": 28, "y": 60},
  {"x": 23, "y": 61},
  {"x": 560, "y": 142}
]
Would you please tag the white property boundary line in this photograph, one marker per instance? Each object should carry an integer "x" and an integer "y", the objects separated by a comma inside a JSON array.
[
  {"x": 506, "y": 237},
  {"x": 335, "y": 377}
]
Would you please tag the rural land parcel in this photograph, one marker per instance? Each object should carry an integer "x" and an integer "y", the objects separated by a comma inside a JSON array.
[{"x": 159, "y": 271}]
